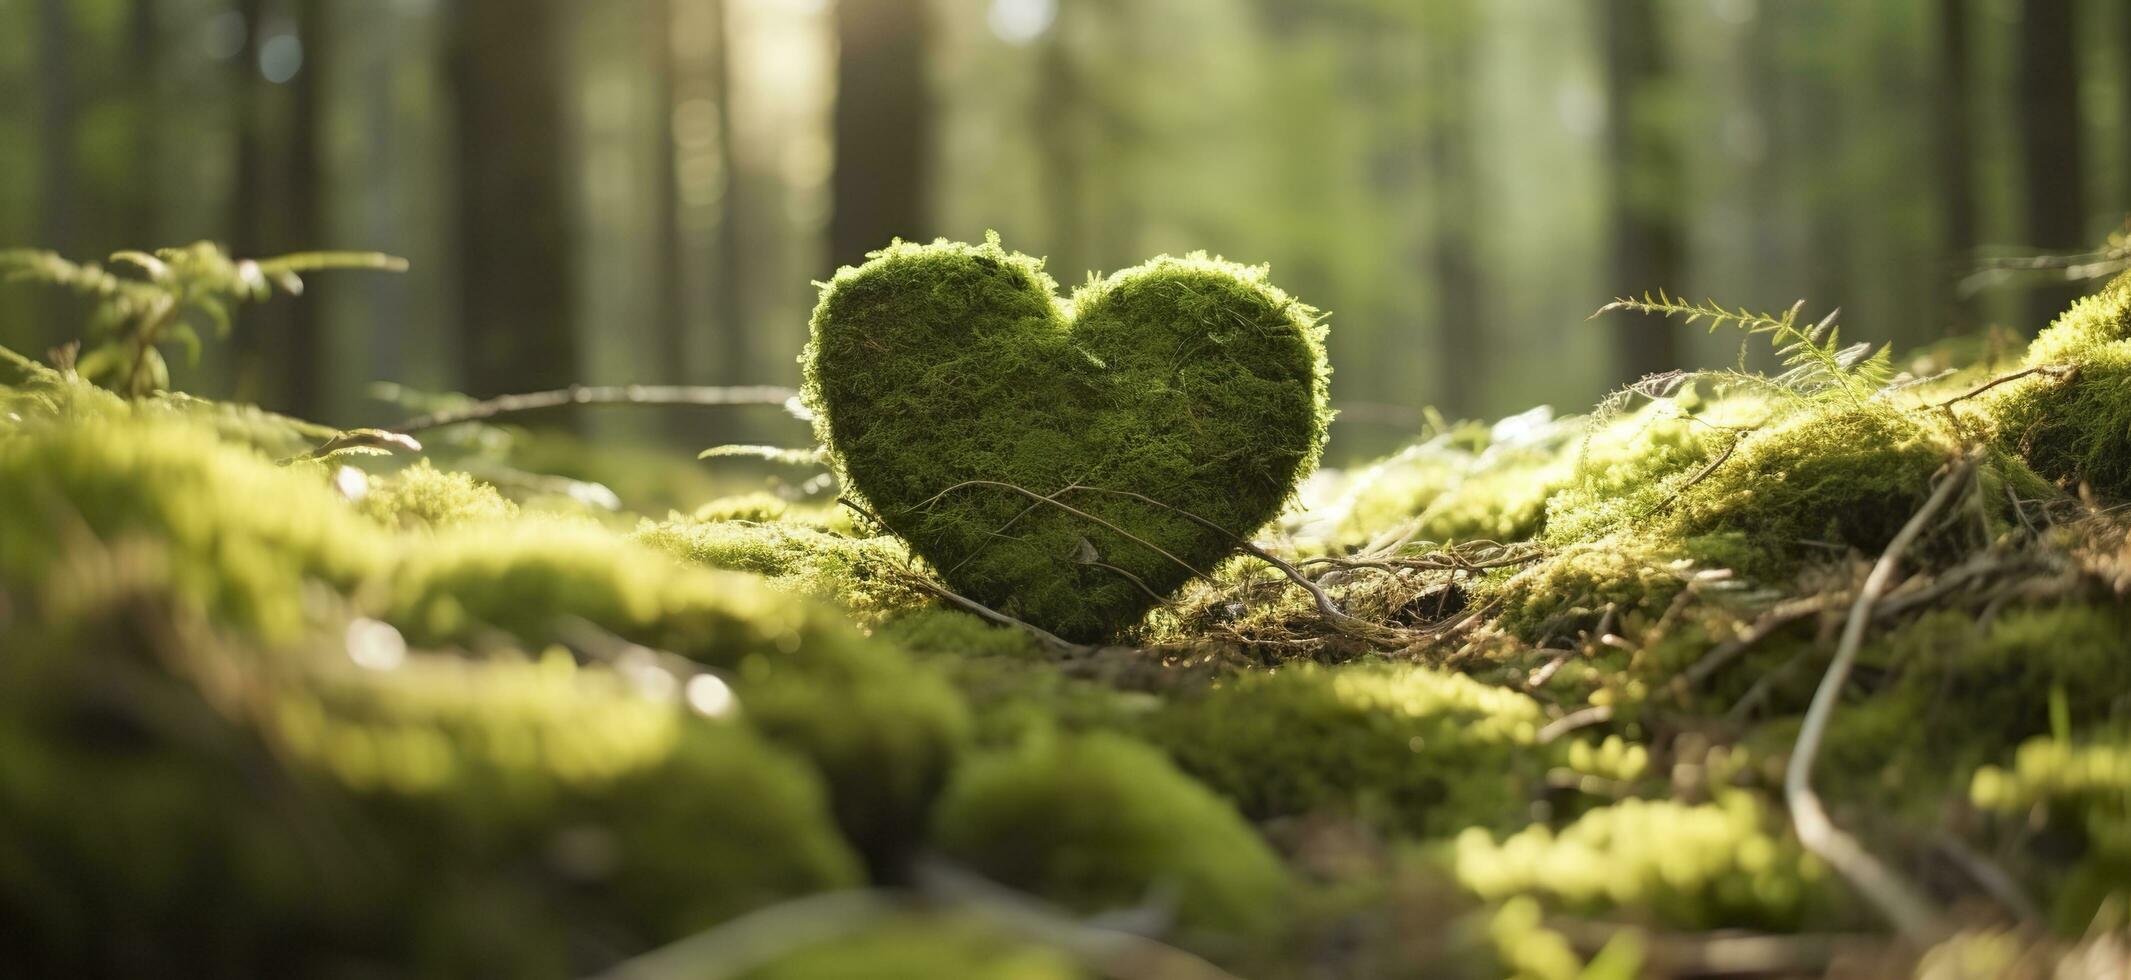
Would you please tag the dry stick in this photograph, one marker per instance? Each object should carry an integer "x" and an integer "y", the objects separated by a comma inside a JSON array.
[
  {"x": 601, "y": 395},
  {"x": 1910, "y": 911},
  {"x": 2053, "y": 370}
]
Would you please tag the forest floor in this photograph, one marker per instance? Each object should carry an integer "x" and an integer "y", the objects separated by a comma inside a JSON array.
[{"x": 1825, "y": 673}]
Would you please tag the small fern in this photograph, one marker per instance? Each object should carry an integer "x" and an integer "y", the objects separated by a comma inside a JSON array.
[
  {"x": 1815, "y": 361},
  {"x": 166, "y": 299}
]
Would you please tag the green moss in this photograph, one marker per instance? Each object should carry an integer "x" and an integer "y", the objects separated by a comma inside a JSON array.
[
  {"x": 1192, "y": 381},
  {"x": 1449, "y": 490},
  {"x": 1847, "y": 479},
  {"x": 1634, "y": 573},
  {"x": 1690, "y": 866},
  {"x": 302, "y": 816},
  {"x": 422, "y": 496},
  {"x": 240, "y": 534},
  {"x": 868, "y": 576},
  {"x": 2092, "y": 323},
  {"x": 757, "y": 507},
  {"x": 2077, "y": 430},
  {"x": 1101, "y": 822},
  {"x": 883, "y": 729},
  {"x": 925, "y": 948},
  {"x": 2079, "y": 795},
  {"x": 1406, "y": 747}
]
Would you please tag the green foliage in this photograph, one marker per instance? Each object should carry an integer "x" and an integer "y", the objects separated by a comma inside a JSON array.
[
  {"x": 1689, "y": 866},
  {"x": 175, "y": 293},
  {"x": 1816, "y": 362},
  {"x": 1192, "y": 382},
  {"x": 1406, "y": 747},
  {"x": 1103, "y": 822}
]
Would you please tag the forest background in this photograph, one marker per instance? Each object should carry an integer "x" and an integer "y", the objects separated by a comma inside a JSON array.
[{"x": 642, "y": 190}]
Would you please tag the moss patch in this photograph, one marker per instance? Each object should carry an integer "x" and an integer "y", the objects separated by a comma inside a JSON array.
[
  {"x": 1192, "y": 381},
  {"x": 1102, "y": 822}
]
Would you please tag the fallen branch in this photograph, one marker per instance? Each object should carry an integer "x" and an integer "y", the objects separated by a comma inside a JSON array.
[
  {"x": 2053, "y": 370},
  {"x": 1909, "y": 910},
  {"x": 601, "y": 395}
]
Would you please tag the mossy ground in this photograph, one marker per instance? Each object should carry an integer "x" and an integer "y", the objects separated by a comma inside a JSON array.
[{"x": 262, "y": 717}]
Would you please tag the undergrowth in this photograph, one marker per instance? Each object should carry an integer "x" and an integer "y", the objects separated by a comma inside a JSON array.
[{"x": 1516, "y": 700}]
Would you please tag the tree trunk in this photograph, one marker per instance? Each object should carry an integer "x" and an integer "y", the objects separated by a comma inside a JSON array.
[
  {"x": 1644, "y": 178},
  {"x": 883, "y": 128},
  {"x": 144, "y": 78},
  {"x": 728, "y": 305},
  {"x": 1454, "y": 193},
  {"x": 57, "y": 115},
  {"x": 2050, "y": 143},
  {"x": 304, "y": 349},
  {"x": 516, "y": 290},
  {"x": 1955, "y": 146},
  {"x": 670, "y": 319},
  {"x": 251, "y": 200}
]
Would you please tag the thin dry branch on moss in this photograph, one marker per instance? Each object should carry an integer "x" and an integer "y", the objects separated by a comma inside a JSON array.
[
  {"x": 1908, "y": 909},
  {"x": 601, "y": 395}
]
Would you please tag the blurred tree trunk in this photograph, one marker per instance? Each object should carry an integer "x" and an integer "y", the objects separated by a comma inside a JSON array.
[
  {"x": 728, "y": 306},
  {"x": 1955, "y": 146},
  {"x": 1059, "y": 103},
  {"x": 670, "y": 312},
  {"x": 144, "y": 52},
  {"x": 512, "y": 189},
  {"x": 304, "y": 350},
  {"x": 57, "y": 116},
  {"x": 252, "y": 202},
  {"x": 1454, "y": 194},
  {"x": 1644, "y": 177},
  {"x": 2050, "y": 143},
  {"x": 883, "y": 128}
]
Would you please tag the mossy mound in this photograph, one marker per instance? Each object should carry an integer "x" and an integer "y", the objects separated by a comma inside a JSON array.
[
  {"x": 1192, "y": 382},
  {"x": 422, "y": 496},
  {"x": 1686, "y": 866},
  {"x": 920, "y": 947},
  {"x": 868, "y": 576},
  {"x": 303, "y": 815},
  {"x": 2076, "y": 429},
  {"x": 2078, "y": 795},
  {"x": 1102, "y": 822},
  {"x": 1406, "y": 747}
]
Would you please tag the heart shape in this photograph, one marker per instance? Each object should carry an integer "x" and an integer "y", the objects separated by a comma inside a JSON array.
[{"x": 1070, "y": 464}]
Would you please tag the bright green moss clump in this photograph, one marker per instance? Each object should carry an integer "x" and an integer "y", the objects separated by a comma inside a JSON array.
[
  {"x": 1102, "y": 822},
  {"x": 865, "y": 575},
  {"x": 2079, "y": 794},
  {"x": 1697, "y": 867},
  {"x": 422, "y": 496},
  {"x": 1407, "y": 747},
  {"x": 240, "y": 534},
  {"x": 2074, "y": 430},
  {"x": 1191, "y": 381},
  {"x": 2092, "y": 323}
]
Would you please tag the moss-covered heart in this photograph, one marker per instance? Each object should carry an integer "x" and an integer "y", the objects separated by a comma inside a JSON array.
[{"x": 1069, "y": 463}]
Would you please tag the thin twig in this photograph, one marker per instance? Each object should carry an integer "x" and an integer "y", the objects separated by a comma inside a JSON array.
[
  {"x": 1325, "y": 606},
  {"x": 1597, "y": 714},
  {"x": 2053, "y": 370},
  {"x": 1729, "y": 448},
  {"x": 1909, "y": 910},
  {"x": 601, "y": 395}
]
